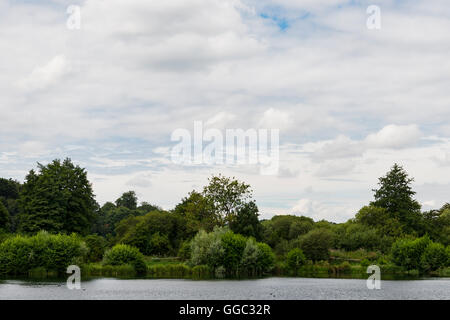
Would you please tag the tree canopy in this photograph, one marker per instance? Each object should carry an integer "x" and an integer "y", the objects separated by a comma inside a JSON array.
[{"x": 57, "y": 198}]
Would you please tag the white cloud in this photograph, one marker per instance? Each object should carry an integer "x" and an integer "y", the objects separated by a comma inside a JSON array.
[
  {"x": 275, "y": 119},
  {"x": 46, "y": 75},
  {"x": 349, "y": 102},
  {"x": 394, "y": 136}
]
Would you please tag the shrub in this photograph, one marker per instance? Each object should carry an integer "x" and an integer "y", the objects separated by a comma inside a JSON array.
[
  {"x": 257, "y": 258},
  {"x": 96, "y": 247},
  {"x": 20, "y": 254},
  {"x": 206, "y": 248},
  {"x": 448, "y": 255},
  {"x": 316, "y": 244},
  {"x": 408, "y": 253},
  {"x": 295, "y": 259},
  {"x": 233, "y": 249},
  {"x": 434, "y": 257},
  {"x": 184, "y": 253},
  {"x": 266, "y": 258},
  {"x": 232, "y": 253},
  {"x": 124, "y": 254}
]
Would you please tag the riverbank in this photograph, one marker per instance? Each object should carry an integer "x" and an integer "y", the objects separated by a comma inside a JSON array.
[{"x": 173, "y": 268}]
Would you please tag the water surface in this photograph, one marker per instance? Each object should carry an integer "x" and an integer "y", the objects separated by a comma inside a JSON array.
[{"x": 269, "y": 288}]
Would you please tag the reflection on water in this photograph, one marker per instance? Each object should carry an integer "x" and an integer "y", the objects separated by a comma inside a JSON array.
[{"x": 270, "y": 288}]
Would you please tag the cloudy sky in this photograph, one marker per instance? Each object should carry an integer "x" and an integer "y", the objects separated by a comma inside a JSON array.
[{"x": 349, "y": 101}]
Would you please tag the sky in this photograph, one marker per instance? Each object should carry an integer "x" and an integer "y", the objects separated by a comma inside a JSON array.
[{"x": 349, "y": 101}]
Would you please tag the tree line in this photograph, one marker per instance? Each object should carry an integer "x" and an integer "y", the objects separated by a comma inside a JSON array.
[{"x": 217, "y": 226}]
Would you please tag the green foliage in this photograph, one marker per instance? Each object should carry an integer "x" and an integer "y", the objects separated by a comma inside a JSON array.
[
  {"x": 124, "y": 254},
  {"x": 317, "y": 243},
  {"x": 396, "y": 196},
  {"x": 20, "y": 254},
  {"x": 156, "y": 233},
  {"x": 5, "y": 218},
  {"x": 372, "y": 216},
  {"x": 184, "y": 252},
  {"x": 283, "y": 228},
  {"x": 58, "y": 198},
  {"x": 207, "y": 249},
  {"x": 227, "y": 196},
  {"x": 408, "y": 253},
  {"x": 246, "y": 221},
  {"x": 437, "y": 224},
  {"x": 127, "y": 200},
  {"x": 448, "y": 256},
  {"x": 96, "y": 247},
  {"x": 354, "y": 236},
  {"x": 233, "y": 248},
  {"x": 229, "y": 253},
  {"x": 198, "y": 212},
  {"x": 266, "y": 258},
  {"x": 434, "y": 257},
  {"x": 295, "y": 259}
]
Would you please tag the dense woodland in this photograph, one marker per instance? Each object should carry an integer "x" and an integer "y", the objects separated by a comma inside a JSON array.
[{"x": 52, "y": 220}]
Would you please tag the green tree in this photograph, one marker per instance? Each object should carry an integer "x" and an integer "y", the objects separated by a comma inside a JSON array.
[
  {"x": 434, "y": 257},
  {"x": 396, "y": 196},
  {"x": 227, "y": 195},
  {"x": 233, "y": 246},
  {"x": 4, "y": 217},
  {"x": 198, "y": 212},
  {"x": 257, "y": 258},
  {"x": 437, "y": 224},
  {"x": 128, "y": 200},
  {"x": 295, "y": 259},
  {"x": 316, "y": 244},
  {"x": 9, "y": 194},
  {"x": 408, "y": 253},
  {"x": 58, "y": 198},
  {"x": 246, "y": 221},
  {"x": 96, "y": 247},
  {"x": 123, "y": 254}
]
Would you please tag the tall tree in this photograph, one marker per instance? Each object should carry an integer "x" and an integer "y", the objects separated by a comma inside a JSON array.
[
  {"x": 246, "y": 221},
  {"x": 128, "y": 200},
  {"x": 227, "y": 196},
  {"x": 198, "y": 213},
  {"x": 58, "y": 198},
  {"x": 396, "y": 196}
]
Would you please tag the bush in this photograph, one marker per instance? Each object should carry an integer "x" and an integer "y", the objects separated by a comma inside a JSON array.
[
  {"x": 184, "y": 253},
  {"x": 266, "y": 258},
  {"x": 316, "y": 244},
  {"x": 20, "y": 254},
  {"x": 257, "y": 258},
  {"x": 448, "y": 256},
  {"x": 295, "y": 259},
  {"x": 96, "y": 247},
  {"x": 408, "y": 253},
  {"x": 233, "y": 249},
  {"x": 434, "y": 257},
  {"x": 206, "y": 248},
  {"x": 124, "y": 254},
  {"x": 232, "y": 253}
]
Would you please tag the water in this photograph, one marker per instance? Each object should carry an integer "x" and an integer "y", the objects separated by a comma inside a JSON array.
[{"x": 270, "y": 288}]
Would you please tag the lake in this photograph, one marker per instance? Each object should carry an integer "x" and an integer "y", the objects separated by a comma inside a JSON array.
[{"x": 269, "y": 288}]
